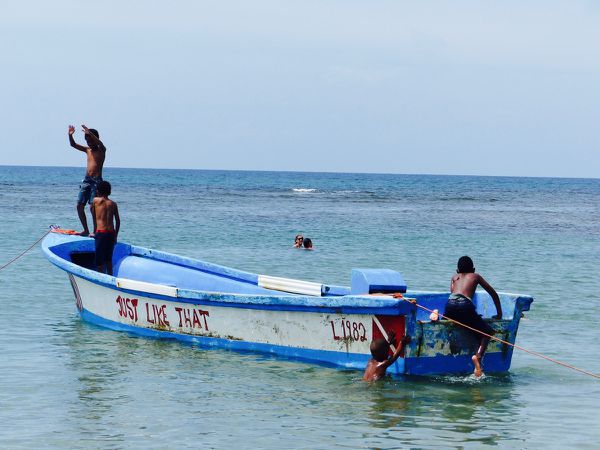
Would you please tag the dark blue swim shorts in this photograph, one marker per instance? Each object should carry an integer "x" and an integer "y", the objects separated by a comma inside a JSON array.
[
  {"x": 87, "y": 189},
  {"x": 462, "y": 309},
  {"x": 105, "y": 244}
]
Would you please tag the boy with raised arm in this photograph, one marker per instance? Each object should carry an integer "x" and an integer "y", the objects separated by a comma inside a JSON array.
[
  {"x": 104, "y": 213},
  {"x": 378, "y": 364},
  {"x": 460, "y": 306},
  {"x": 96, "y": 152}
]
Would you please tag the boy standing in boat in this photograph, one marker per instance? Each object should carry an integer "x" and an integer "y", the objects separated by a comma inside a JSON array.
[
  {"x": 96, "y": 152},
  {"x": 378, "y": 364},
  {"x": 104, "y": 213},
  {"x": 460, "y": 306}
]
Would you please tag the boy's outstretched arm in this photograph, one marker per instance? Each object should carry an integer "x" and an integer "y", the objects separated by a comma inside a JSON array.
[
  {"x": 72, "y": 141},
  {"x": 396, "y": 354},
  {"x": 490, "y": 290},
  {"x": 93, "y": 137}
]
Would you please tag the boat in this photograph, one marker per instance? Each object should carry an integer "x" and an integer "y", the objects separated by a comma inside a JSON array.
[{"x": 162, "y": 295}]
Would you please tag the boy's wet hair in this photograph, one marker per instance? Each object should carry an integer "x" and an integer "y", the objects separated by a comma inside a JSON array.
[
  {"x": 103, "y": 188},
  {"x": 379, "y": 349},
  {"x": 465, "y": 265},
  {"x": 95, "y": 132},
  {"x": 307, "y": 243}
]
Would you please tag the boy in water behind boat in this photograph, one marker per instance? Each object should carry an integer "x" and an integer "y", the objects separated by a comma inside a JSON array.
[
  {"x": 460, "y": 306},
  {"x": 378, "y": 364},
  {"x": 96, "y": 153},
  {"x": 104, "y": 212}
]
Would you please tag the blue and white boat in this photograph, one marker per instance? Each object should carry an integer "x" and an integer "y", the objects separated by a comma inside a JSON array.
[{"x": 162, "y": 295}]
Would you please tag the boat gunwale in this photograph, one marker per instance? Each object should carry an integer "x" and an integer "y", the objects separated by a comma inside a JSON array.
[
  {"x": 351, "y": 304},
  {"x": 345, "y": 304}
]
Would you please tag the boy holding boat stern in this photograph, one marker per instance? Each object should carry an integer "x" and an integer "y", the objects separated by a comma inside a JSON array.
[
  {"x": 96, "y": 153},
  {"x": 460, "y": 305},
  {"x": 104, "y": 212},
  {"x": 378, "y": 364}
]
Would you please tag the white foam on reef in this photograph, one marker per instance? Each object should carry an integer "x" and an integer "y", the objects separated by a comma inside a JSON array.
[{"x": 303, "y": 190}]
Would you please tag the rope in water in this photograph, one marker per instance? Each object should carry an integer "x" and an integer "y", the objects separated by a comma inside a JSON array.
[
  {"x": 531, "y": 352},
  {"x": 24, "y": 252}
]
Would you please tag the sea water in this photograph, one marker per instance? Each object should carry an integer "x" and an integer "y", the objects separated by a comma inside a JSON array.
[{"x": 65, "y": 383}]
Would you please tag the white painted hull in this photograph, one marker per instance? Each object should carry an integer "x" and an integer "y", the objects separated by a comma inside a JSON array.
[{"x": 321, "y": 334}]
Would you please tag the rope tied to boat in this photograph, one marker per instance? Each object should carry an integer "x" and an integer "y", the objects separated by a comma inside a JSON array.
[
  {"x": 23, "y": 253},
  {"x": 412, "y": 301},
  {"x": 531, "y": 352}
]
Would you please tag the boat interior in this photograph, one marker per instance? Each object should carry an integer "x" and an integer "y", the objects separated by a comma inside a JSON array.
[{"x": 160, "y": 268}]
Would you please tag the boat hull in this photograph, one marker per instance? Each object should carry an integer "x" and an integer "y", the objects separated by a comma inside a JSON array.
[{"x": 235, "y": 312}]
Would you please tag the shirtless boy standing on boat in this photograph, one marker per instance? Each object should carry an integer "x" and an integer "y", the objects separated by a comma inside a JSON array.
[
  {"x": 96, "y": 152},
  {"x": 460, "y": 306},
  {"x": 378, "y": 364},
  {"x": 104, "y": 213}
]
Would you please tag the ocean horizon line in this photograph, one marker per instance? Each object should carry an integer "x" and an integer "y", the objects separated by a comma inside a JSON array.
[{"x": 173, "y": 169}]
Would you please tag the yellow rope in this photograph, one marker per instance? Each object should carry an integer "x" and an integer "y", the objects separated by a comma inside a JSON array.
[{"x": 414, "y": 302}]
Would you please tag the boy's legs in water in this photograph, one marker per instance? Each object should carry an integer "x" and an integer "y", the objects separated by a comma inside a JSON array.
[{"x": 477, "y": 357}]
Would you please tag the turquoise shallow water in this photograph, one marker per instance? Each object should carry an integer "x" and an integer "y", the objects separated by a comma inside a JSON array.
[{"x": 68, "y": 384}]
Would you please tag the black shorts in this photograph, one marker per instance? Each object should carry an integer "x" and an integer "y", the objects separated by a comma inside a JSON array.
[
  {"x": 463, "y": 310},
  {"x": 105, "y": 244}
]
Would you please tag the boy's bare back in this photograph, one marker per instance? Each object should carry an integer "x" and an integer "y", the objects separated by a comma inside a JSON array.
[
  {"x": 466, "y": 280},
  {"x": 377, "y": 366},
  {"x": 375, "y": 370},
  {"x": 465, "y": 284},
  {"x": 105, "y": 213}
]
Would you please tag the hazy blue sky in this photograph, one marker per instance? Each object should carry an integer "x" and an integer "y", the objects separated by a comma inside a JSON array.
[{"x": 491, "y": 88}]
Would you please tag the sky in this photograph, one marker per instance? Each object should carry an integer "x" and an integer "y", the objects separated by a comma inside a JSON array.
[{"x": 438, "y": 87}]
